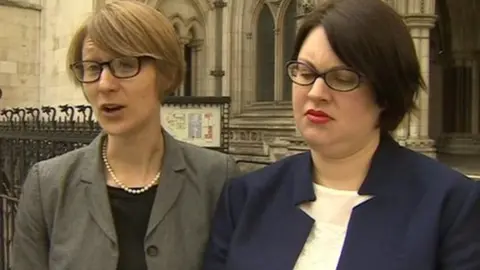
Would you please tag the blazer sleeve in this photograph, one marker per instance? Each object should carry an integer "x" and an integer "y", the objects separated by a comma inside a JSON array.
[
  {"x": 460, "y": 246},
  {"x": 233, "y": 170},
  {"x": 30, "y": 241},
  {"x": 229, "y": 208}
]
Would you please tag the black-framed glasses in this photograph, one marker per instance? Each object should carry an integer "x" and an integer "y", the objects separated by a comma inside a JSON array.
[
  {"x": 341, "y": 79},
  {"x": 121, "y": 67}
]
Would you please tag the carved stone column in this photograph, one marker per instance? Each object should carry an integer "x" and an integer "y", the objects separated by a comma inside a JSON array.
[
  {"x": 183, "y": 42},
  {"x": 197, "y": 80},
  {"x": 218, "y": 71},
  {"x": 418, "y": 138}
]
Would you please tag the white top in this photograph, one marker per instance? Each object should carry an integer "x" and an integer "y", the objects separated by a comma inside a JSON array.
[{"x": 331, "y": 212}]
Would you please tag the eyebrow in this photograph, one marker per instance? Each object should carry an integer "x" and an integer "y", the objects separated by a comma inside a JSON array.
[
  {"x": 91, "y": 53},
  {"x": 313, "y": 66},
  {"x": 95, "y": 56}
]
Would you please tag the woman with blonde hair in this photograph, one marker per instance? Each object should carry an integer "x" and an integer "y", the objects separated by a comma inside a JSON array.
[{"x": 135, "y": 198}]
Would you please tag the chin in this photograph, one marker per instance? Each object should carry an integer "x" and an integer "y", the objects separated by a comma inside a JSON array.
[
  {"x": 116, "y": 129},
  {"x": 313, "y": 136}
]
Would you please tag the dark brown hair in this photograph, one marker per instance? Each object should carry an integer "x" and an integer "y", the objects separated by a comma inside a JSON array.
[{"x": 371, "y": 37}]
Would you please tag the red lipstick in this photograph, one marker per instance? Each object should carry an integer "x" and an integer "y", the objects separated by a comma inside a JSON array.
[{"x": 318, "y": 117}]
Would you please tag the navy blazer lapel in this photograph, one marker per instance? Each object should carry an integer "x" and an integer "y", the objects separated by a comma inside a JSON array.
[
  {"x": 297, "y": 221},
  {"x": 96, "y": 193},
  {"x": 377, "y": 226},
  {"x": 287, "y": 226}
]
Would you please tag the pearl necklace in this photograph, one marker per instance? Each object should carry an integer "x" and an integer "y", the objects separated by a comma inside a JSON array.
[{"x": 122, "y": 185}]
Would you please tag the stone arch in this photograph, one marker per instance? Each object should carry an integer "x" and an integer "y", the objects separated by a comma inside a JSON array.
[
  {"x": 278, "y": 9},
  {"x": 249, "y": 11},
  {"x": 177, "y": 27},
  {"x": 264, "y": 73},
  {"x": 196, "y": 28},
  {"x": 178, "y": 24},
  {"x": 282, "y": 9},
  {"x": 201, "y": 6},
  {"x": 188, "y": 18},
  {"x": 257, "y": 9}
]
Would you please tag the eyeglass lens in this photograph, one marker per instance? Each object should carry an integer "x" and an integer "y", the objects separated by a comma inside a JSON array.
[
  {"x": 124, "y": 67},
  {"x": 337, "y": 79}
]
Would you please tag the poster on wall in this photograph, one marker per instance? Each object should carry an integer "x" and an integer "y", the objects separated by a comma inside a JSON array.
[{"x": 199, "y": 126}]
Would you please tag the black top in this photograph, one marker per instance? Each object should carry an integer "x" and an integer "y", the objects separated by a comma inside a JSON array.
[{"x": 131, "y": 213}]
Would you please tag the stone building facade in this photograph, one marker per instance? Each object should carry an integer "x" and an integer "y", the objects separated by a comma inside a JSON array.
[{"x": 238, "y": 48}]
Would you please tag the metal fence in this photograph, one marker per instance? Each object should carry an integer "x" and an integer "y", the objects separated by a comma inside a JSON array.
[{"x": 29, "y": 135}]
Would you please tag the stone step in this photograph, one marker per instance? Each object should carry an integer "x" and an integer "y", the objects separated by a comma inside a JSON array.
[{"x": 270, "y": 106}]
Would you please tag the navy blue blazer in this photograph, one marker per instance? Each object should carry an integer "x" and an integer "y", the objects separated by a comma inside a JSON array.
[{"x": 423, "y": 216}]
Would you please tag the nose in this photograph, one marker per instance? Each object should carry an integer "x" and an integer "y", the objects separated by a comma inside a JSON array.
[
  {"x": 106, "y": 82},
  {"x": 319, "y": 90}
]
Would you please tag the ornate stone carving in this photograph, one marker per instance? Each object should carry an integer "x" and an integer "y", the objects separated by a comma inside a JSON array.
[
  {"x": 420, "y": 20},
  {"x": 184, "y": 40},
  {"x": 254, "y": 136},
  {"x": 219, "y": 3},
  {"x": 305, "y": 6},
  {"x": 217, "y": 73},
  {"x": 243, "y": 135},
  {"x": 195, "y": 43},
  {"x": 246, "y": 135}
]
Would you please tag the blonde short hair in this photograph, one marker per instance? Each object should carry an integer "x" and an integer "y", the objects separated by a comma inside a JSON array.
[{"x": 130, "y": 28}]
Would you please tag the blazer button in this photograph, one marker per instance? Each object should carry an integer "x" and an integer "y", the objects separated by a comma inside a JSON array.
[{"x": 152, "y": 251}]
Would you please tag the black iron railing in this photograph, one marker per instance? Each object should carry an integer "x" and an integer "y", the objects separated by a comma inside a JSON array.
[{"x": 29, "y": 135}]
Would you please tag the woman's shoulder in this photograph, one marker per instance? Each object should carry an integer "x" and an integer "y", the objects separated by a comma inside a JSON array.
[
  {"x": 433, "y": 173},
  {"x": 60, "y": 164},
  {"x": 207, "y": 167},
  {"x": 276, "y": 172},
  {"x": 205, "y": 159},
  {"x": 202, "y": 154}
]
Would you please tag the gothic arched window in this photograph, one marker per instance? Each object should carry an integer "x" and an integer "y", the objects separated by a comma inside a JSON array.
[
  {"x": 289, "y": 29},
  {"x": 275, "y": 37},
  {"x": 265, "y": 58}
]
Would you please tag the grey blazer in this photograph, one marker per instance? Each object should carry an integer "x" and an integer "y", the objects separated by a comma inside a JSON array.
[{"x": 64, "y": 219}]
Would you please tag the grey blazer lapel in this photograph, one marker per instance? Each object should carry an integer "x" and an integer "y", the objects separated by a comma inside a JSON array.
[
  {"x": 93, "y": 176},
  {"x": 170, "y": 184}
]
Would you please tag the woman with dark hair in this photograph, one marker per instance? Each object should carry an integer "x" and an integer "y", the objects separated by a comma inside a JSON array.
[{"x": 356, "y": 200}]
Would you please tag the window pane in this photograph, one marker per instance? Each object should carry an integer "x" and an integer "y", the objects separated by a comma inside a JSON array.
[
  {"x": 289, "y": 30},
  {"x": 265, "y": 56}
]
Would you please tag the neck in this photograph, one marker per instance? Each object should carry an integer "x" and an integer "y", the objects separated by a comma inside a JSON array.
[
  {"x": 136, "y": 158},
  {"x": 347, "y": 172}
]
